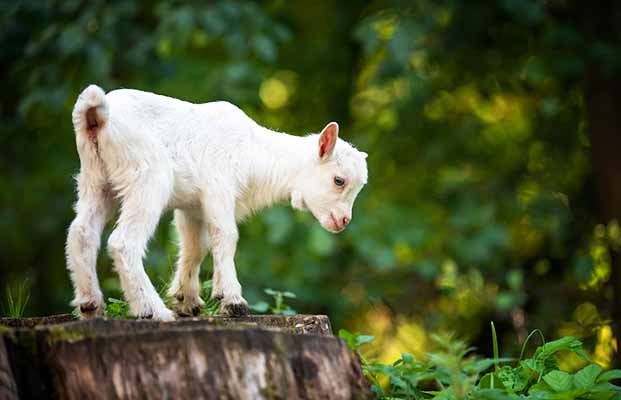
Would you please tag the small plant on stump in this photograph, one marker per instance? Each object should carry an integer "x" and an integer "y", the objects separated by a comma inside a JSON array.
[
  {"x": 280, "y": 307},
  {"x": 16, "y": 302},
  {"x": 212, "y": 306},
  {"x": 116, "y": 308}
]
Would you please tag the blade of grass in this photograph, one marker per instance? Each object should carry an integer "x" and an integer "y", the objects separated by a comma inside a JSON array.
[
  {"x": 495, "y": 350},
  {"x": 495, "y": 346},
  {"x": 543, "y": 342}
]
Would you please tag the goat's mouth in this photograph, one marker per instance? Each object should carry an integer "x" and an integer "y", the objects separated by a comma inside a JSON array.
[{"x": 337, "y": 227}]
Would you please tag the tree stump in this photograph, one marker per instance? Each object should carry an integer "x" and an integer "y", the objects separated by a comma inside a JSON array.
[{"x": 255, "y": 357}]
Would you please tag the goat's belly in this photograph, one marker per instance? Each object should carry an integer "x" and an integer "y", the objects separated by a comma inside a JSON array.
[{"x": 185, "y": 195}]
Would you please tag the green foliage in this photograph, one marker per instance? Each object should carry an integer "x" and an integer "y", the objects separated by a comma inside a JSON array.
[
  {"x": 452, "y": 372},
  {"x": 354, "y": 340},
  {"x": 211, "y": 306},
  {"x": 16, "y": 300},
  {"x": 116, "y": 308},
  {"x": 280, "y": 307}
]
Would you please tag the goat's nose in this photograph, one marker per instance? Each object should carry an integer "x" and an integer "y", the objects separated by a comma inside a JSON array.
[{"x": 345, "y": 221}]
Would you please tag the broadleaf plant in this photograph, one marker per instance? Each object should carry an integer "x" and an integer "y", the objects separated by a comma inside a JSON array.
[{"x": 452, "y": 372}]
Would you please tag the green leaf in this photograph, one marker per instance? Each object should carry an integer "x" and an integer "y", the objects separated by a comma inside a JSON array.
[
  {"x": 491, "y": 381},
  {"x": 495, "y": 344},
  {"x": 116, "y": 308},
  {"x": 407, "y": 358},
  {"x": 363, "y": 339},
  {"x": 480, "y": 365},
  {"x": 605, "y": 387},
  {"x": 115, "y": 301},
  {"x": 609, "y": 375},
  {"x": 288, "y": 311},
  {"x": 536, "y": 365},
  {"x": 568, "y": 343},
  {"x": 260, "y": 307},
  {"x": 586, "y": 377},
  {"x": 559, "y": 381},
  {"x": 398, "y": 382},
  {"x": 514, "y": 379},
  {"x": 348, "y": 337},
  {"x": 207, "y": 286}
]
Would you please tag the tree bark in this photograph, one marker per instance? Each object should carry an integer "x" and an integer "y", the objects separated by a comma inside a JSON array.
[
  {"x": 8, "y": 387},
  {"x": 257, "y": 357}
]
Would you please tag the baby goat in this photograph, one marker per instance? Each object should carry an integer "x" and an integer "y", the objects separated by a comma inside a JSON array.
[{"x": 143, "y": 153}]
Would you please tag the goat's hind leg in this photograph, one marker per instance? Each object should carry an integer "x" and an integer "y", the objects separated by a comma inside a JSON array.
[
  {"x": 193, "y": 246},
  {"x": 140, "y": 212},
  {"x": 93, "y": 209}
]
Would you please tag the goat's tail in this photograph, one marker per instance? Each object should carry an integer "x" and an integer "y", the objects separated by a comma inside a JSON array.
[{"x": 90, "y": 112}]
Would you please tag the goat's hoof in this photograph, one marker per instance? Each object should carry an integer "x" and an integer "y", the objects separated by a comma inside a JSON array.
[
  {"x": 188, "y": 306},
  {"x": 218, "y": 297},
  {"x": 90, "y": 310},
  {"x": 236, "y": 310},
  {"x": 193, "y": 312},
  {"x": 147, "y": 316}
]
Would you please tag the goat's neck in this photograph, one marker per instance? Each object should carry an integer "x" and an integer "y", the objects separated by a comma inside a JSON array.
[{"x": 280, "y": 166}]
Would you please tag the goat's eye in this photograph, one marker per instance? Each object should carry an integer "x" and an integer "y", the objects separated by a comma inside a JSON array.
[{"x": 338, "y": 181}]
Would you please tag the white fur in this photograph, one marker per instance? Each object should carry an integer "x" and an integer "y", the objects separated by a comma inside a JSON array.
[{"x": 211, "y": 163}]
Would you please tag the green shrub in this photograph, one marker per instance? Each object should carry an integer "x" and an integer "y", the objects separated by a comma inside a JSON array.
[{"x": 453, "y": 372}]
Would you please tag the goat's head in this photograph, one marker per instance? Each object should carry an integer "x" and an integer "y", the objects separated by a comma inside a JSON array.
[{"x": 329, "y": 186}]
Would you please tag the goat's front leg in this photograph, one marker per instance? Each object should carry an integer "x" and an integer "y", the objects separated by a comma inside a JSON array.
[{"x": 223, "y": 235}]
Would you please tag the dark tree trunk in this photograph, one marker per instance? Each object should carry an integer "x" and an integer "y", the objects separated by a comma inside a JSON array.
[
  {"x": 256, "y": 357},
  {"x": 604, "y": 113},
  {"x": 603, "y": 105}
]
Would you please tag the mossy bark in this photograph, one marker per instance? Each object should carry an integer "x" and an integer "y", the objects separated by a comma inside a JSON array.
[
  {"x": 257, "y": 357},
  {"x": 8, "y": 387}
]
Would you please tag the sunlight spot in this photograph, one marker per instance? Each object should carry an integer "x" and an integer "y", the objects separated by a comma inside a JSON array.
[
  {"x": 273, "y": 93},
  {"x": 605, "y": 347}
]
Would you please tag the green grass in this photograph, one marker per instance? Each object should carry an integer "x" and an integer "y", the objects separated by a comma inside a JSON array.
[
  {"x": 116, "y": 308},
  {"x": 211, "y": 306},
  {"x": 453, "y": 372},
  {"x": 17, "y": 299}
]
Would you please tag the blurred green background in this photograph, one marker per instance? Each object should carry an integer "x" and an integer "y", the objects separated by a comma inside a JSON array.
[{"x": 492, "y": 129}]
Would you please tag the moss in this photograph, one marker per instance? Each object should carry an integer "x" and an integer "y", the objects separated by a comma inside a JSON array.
[
  {"x": 281, "y": 347},
  {"x": 60, "y": 334},
  {"x": 8, "y": 332},
  {"x": 270, "y": 392}
]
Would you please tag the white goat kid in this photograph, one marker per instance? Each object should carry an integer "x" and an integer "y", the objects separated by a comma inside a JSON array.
[{"x": 143, "y": 153}]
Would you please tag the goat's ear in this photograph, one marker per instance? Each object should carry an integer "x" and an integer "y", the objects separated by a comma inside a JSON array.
[{"x": 327, "y": 140}]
